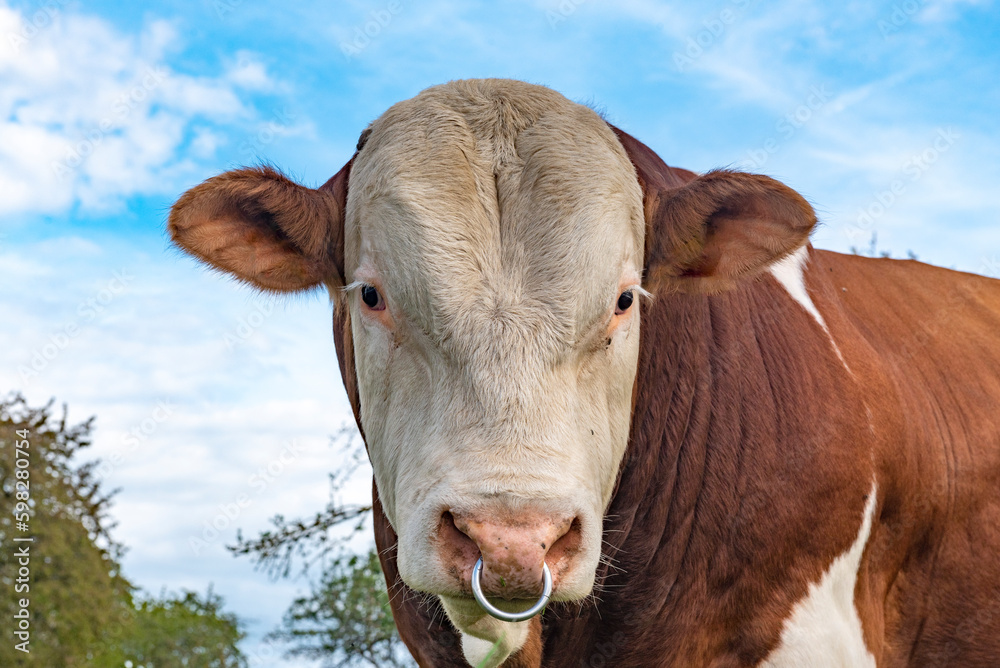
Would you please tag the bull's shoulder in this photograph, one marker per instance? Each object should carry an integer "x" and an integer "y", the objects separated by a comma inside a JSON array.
[{"x": 900, "y": 305}]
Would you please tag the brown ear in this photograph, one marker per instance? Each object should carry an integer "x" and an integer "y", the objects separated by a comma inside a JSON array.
[
  {"x": 705, "y": 233},
  {"x": 265, "y": 229}
]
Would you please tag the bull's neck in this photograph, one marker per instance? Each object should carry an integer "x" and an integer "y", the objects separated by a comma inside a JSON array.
[
  {"x": 705, "y": 422},
  {"x": 690, "y": 350}
]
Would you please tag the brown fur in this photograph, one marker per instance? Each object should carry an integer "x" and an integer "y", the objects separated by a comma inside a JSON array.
[
  {"x": 705, "y": 222},
  {"x": 263, "y": 228},
  {"x": 530, "y": 654}
]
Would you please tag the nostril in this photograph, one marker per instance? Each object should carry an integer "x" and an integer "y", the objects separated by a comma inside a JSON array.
[
  {"x": 459, "y": 545},
  {"x": 457, "y": 550},
  {"x": 565, "y": 547}
]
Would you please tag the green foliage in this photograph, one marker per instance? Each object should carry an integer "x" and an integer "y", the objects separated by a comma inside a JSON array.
[
  {"x": 79, "y": 602},
  {"x": 346, "y": 617},
  {"x": 184, "y": 630},
  {"x": 82, "y": 611}
]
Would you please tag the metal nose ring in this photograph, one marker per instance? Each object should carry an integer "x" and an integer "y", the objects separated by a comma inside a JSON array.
[{"x": 477, "y": 591}]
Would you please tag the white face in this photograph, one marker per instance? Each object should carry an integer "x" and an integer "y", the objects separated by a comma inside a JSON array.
[{"x": 495, "y": 375}]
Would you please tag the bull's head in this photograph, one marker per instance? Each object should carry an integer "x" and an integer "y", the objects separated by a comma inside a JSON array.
[{"x": 488, "y": 244}]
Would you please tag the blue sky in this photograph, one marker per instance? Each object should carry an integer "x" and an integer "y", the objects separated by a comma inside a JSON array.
[{"x": 883, "y": 114}]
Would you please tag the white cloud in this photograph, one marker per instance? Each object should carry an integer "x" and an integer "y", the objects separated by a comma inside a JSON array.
[
  {"x": 248, "y": 73},
  {"x": 92, "y": 115},
  {"x": 938, "y": 11}
]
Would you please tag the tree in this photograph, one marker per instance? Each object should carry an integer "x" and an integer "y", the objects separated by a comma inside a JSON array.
[
  {"x": 346, "y": 618},
  {"x": 183, "y": 630},
  {"x": 72, "y": 598},
  {"x": 77, "y": 599},
  {"x": 872, "y": 250},
  {"x": 310, "y": 540}
]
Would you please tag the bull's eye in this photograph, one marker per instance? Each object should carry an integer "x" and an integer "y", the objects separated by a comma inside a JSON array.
[
  {"x": 371, "y": 298},
  {"x": 624, "y": 302}
]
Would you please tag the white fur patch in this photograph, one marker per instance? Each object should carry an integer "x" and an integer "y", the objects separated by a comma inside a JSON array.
[
  {"x": 824, "y": 629},
  {"x": 790, "y": 273},
  {"x": 481, "y": 652}
]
